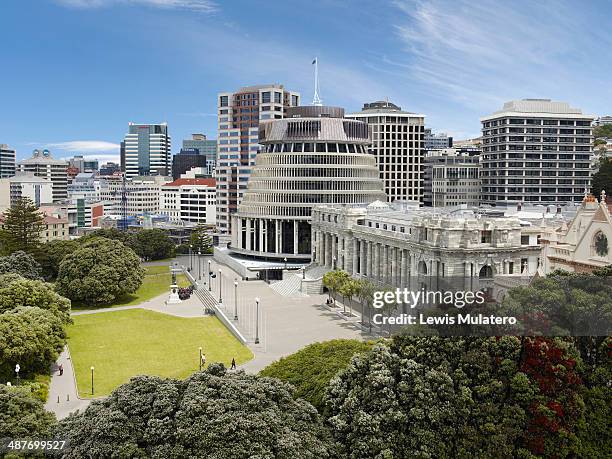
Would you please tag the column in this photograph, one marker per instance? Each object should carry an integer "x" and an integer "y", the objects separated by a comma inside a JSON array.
[
  {"x": 394, "y": 279},
  {"x": 402, "y": 268},
  {"x": 334, "y": 252},
  {"x": 376, "y": 267},
  {"x": 262, "y": 247},
  {"x": 385, "y": 264},
  {"x": 295, "y": 237},
  {"x": 368, "y": 265},
  {"x": 248, "y": 234},
  {"x": 277, "y": 235}
]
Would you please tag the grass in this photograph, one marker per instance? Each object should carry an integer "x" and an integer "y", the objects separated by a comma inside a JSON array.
[
  {"x": 156, "y": 282},
  {"x": 122, "y": 344}
]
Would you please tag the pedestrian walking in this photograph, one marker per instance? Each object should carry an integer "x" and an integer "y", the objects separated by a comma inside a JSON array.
[
  {"x": 61, "y": 369},
  {"x": 233, "y": 364}
]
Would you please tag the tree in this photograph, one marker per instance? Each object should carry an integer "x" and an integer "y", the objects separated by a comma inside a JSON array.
[
  {"x": 110, "y": 233},
  {"x": 603, "y": 131},
  {"x": 101, "y": 271},
  {"x": 22, "y": 416},
  {"x": 201, "y": 240},
  {"x": 333, "y": 280},
  {"x": 348, "y": 289},
  {"x": 211, "y": 414},
  {"x": 50, "y": 255},
  {"x": 31, "y": 337},
  {"x": 20, "y": 263},
  {"x": 310, "y": 369},
  {"x": 454, "y": 397},
  {"x": 22, "y": 226},
  {"x": 602, "y": 179},
  {"x": 365, "y": 292},
  {"x": 152, "y": 244},
  {"x": 15, "y": 292}
]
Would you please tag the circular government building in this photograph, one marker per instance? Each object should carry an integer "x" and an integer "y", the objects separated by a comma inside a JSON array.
[{"x": 313, "y": 156}]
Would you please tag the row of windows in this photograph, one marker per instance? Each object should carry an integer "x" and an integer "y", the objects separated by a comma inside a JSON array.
[
  {"x": 537, "y": 148},
  {"x": 309, "y": 185},
  {"x": 314, "y": 147},
  {"x": 537, "y": 173},
  {"x": 348, "y": 159},
  {"x": 535, "y": 122},
  {"x": 278, "y": 173},
  {"x": 514, "y": 130}
]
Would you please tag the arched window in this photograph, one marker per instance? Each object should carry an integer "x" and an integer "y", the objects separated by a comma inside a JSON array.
[
  {"x": 422, "y": 267},
  {"x": 486, "y": 272}
]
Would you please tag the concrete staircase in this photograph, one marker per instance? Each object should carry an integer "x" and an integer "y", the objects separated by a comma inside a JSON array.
[
  {"x": 290, "y": 286},
  {"x": 316, "y": 271}
]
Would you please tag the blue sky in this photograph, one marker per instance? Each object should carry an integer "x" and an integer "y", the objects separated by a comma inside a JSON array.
[{"x": 74, "y": 72}]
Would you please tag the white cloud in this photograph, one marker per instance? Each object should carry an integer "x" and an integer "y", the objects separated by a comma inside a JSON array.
[
  {"x": 84, "y": 147},
  {"x": 203, "y": 6}
]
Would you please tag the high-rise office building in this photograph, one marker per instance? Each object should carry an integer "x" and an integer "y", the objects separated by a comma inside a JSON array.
[
  {"x": 7, "y": 161},
  {"x": 437, "y": 141},
  {"x": 397, "y": 142},
  {"x": 205, "y": 147},
  {"x": 42, "y": 164},
  {"x": 238, "y": 143},
  {"x": 315, "y": 156},
  {"x": 536, "y": 150},
  {"x": 146, "y": 150},
  {"x": 187, "y": 159},
  {"x": 451, "y": 178}
]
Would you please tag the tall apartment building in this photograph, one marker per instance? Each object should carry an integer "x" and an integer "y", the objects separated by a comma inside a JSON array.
[
  {"x": 146, "y": 150},
  {"x": 397, "y": 142},
  {"x": 238, "y": 143},
  {"x": 109, "y": 168},
  {"x": 451, "y": 178},
  {"x": 437, "y": 141},
  {"x": 204, "y": 147},
  {"x": 7, "y": 161},
  {"x": 536, "y": 150},
  {"x": 42, "y": 164}
]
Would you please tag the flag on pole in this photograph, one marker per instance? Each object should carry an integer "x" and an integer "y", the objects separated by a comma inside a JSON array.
[{"x": 314, "y": 61}]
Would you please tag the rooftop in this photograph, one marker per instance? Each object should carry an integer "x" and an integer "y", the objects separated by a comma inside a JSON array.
[
  {"x": 383, "y": 106},
  {"x": 193, "y": 181},
  {"x": 539, "y": 106}
]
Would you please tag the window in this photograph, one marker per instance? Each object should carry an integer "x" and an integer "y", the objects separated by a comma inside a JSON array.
[
  {"x": 486, "y": 236},
  {"x": 265, "y": 97},
  {"x": 277, "y": 97},
  {"x": 524, "y": 239},
  {"x": 223, "y": 101}
]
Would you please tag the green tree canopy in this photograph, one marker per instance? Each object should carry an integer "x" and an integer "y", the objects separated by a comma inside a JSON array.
[
  {"x": 15, "y": 291},
  {"x": 22, "y": 226},
  {"x": 50, "y": 255},
  {"x": 99, "y": 272},
  {"x": 20, "y": 263},
  {"x": 310, "y": 369},
  {"x": 22, "y": 416},
  {"x": 152, "y": 244},
  {"x": 603, "y": 131},
  {"x": 212, "y": 414},
  {"x": 602, "y": 179},
  {"x": 31, "y": 337},
  {"x": 457, "y": 397},
  {"x": 201, "y": 240}
]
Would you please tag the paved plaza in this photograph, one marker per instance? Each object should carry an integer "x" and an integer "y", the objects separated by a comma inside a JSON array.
[{"x": 285, "y": 324}]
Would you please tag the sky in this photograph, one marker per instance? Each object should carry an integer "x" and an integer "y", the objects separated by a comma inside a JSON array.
[{"x": 73, "y": 73}]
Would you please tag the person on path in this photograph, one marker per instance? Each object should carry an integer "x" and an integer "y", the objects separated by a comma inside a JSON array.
[
  {"x": 233, "y": 364},
  {"x": 61, "y": 369}
]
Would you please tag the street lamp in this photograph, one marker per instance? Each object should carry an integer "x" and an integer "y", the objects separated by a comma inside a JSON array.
[
  {"x": 200, "y": 358},
  {"x": 257, "y": 321},
  {"x": 220, "y": 285},
  {"x": 199, "y": 265},
  {"x": 285, "y": 260},
  {"x": 303, "y": 272},
  {"x": 209, "y": 274},
  {"x": 17, "y": 368},
  {"x": 92, "y": 380},
  {"x": 235, "y": 300},
  {"x": 190, "y": 257}
]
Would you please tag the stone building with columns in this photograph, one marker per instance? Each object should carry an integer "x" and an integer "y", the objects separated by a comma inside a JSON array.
[
  {"x": 395, "y": 246},
  {"x": 313, "y": 156}
]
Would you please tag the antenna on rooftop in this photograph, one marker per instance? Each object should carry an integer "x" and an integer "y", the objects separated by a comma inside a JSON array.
[{"x": 316, "y": 100}]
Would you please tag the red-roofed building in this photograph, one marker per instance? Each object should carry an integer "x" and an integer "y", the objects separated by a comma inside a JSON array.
[{"x": 189, "y": 199}]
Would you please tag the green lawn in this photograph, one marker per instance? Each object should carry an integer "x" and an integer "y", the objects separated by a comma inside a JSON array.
[
  {"x": 122, "y": 344},
  {"x": 156, "y": 282}
]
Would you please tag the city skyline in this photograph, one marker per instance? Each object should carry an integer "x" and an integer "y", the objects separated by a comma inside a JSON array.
[{"x": 96, "y": 65}]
